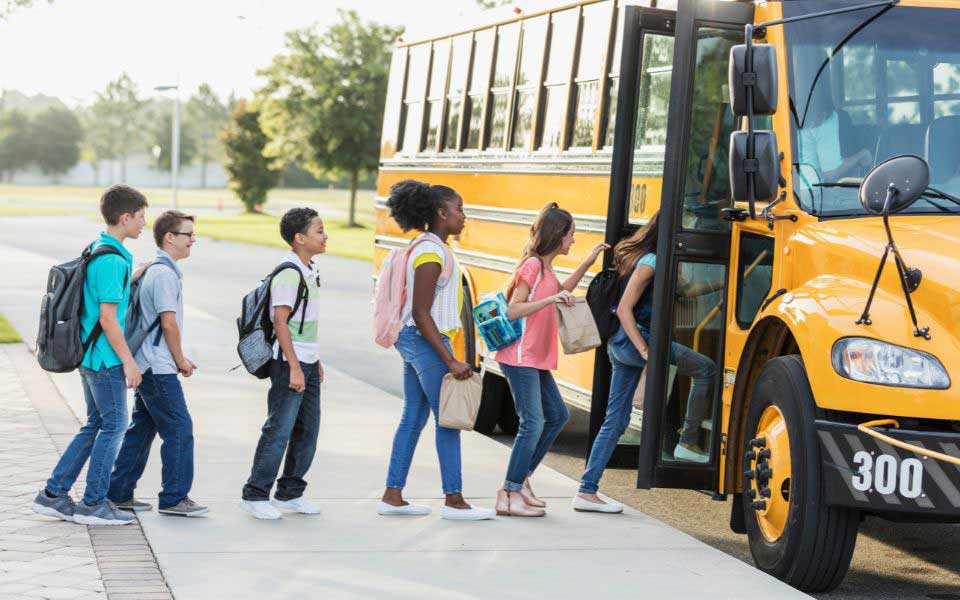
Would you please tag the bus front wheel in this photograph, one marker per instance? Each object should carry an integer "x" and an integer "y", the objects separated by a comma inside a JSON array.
[{"x": 794, "y": 535}]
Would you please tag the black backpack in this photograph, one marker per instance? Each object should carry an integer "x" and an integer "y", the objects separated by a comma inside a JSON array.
[
  {"x": 59, "y": 347},
  {"x": 603, "y": 296},
  {"x": 255, "y": 327}
]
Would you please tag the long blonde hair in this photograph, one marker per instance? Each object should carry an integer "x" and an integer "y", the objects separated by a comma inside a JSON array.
[
  {"x": 629, "y": 250},
  {"x": 546, "y": 235}
]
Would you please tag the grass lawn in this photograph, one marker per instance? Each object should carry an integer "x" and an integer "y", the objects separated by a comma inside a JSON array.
[
  {"x": 264, "y": 230},
  {"x": 26, "y": 210},
  {"x": 7, "y": 333}
]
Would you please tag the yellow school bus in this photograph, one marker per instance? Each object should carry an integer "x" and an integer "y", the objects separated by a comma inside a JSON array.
[{"x": 806, "y": 158}]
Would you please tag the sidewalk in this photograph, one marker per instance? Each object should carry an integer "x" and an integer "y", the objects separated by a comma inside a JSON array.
[{"x": 348, "y": 551}]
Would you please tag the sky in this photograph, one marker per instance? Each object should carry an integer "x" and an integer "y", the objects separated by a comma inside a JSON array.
[{"x": 72, "y": 48}]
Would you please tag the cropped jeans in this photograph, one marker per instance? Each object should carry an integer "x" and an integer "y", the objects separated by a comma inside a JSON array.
[{"x": 423, "y": 372}]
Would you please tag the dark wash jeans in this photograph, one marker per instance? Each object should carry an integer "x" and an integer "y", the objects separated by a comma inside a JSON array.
[
  {"x": 159, "y": 408},
  {"x": 293, "y": 423},
  {"x": 105, "y": 392}
]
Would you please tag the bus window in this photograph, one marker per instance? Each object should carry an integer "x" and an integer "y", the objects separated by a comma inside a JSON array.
[
  {"x": 946, "y": 81},
  {"x": 479, "y": 80},
  {"x": 563, "y": 31},
  {"x": 593, "y": 47},
  {"x": 459, "y": 67},
  {"x": 528, "y": 80},
  {"x": 506, "y": 61},
  {"x": 706, "y": 179},
  {"x": 696, "y": 350},
  {"x": 903, "y": 88},
  {"x": 656, "y": 70},
  {"x": 391, "y": 117},
  {"x": 754, "y": 276},
  {"x": 413, "y": 98},
  {"x": 614, "y": 87},
  {"x": 436, "y": 91}
]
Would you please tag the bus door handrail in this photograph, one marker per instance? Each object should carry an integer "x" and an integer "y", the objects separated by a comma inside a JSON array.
[
  {"x": 866, "y": 428},
  {"x": 713, "y": 311}
]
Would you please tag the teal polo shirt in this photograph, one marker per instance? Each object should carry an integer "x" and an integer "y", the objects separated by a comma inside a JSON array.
[{"x": 107, "y": 281}]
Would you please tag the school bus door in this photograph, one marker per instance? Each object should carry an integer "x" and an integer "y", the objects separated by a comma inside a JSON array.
[{"x": 683, "y": 388}]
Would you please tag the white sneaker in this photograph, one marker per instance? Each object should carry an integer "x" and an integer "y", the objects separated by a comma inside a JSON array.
[
  {"x": 582, "y": 505},
  {"x": 473, "y": 513},
  {"x": 682, "y": 452},
  {"x": 260, "y": 509},
  {"x": 407, "y": 509},
  {"x": 298, "y": 505}
]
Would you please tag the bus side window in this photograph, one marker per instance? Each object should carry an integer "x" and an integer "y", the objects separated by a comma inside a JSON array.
[{"x": 754, "y": 276}]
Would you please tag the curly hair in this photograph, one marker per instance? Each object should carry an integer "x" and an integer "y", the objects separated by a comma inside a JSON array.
[
  {"x": 294, "y": 221},
  {"x": 414, "y": 204}
]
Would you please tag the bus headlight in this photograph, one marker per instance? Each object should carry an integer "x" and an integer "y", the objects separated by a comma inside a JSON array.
[{"x": 873, "y": 361}]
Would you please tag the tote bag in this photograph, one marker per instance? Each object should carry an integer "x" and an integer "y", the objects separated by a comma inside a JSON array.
[{"x": 460, "y": 401}]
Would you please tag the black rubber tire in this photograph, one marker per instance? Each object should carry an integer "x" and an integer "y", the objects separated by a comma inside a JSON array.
[
  {"x": 814, "y": 551},
  {"x": 490, "y": 401},
  {"x": 469, "y": 330},
  {"x": 509, "y": 421}
]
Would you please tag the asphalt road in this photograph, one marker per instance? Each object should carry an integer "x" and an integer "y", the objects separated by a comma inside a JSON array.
[{"x": 891, "y": 560}]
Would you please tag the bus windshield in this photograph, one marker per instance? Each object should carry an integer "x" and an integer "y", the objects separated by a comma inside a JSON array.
[{"x": 866, "y": 86}]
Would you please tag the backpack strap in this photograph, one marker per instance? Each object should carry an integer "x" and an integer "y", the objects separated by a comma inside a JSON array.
[
  {"x": 89, "y": 255},
  {"x": 448, "y": 259},
  {"x": 303, "y": 292}
]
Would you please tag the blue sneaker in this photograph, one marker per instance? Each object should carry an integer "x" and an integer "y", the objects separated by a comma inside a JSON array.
[
  {"x": 61, "y": 507},
  {"x": 101, "y": 514}
]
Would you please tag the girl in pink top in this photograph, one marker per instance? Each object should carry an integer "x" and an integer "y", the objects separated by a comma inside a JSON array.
[{"x": 532, "y": 292}]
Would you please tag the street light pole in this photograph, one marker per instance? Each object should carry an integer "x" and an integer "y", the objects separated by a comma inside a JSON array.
[{"x": 175, "y": 140}]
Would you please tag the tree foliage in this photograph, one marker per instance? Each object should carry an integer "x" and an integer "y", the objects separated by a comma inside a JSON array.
[
  {"x": 16, "y": 142},
  {"x": 113, "y": 121},
  {"x": 251, "y": 173},
  {"x": 206, "y": 116},
  {"x": 322, "y": 105},
  {"x": 492, "y": 3},
  {"x": 159, "y": 137},
  {"x": 8, "y": 7},
  {"x": 57, "y": 134}
]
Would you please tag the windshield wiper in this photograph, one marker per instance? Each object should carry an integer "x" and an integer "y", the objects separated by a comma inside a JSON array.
[{"x": 927, "y": 195}]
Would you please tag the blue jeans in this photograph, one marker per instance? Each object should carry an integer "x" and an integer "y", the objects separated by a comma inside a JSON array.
[
  {"x": 423, "y": 372},
  {"x": 159, "y": 407},
  {"x": 292, "y": 428},
  {"x": 542, "y": 416},
  {"x": 105, "y": 392},
  {"x": 627, "y": 366}
]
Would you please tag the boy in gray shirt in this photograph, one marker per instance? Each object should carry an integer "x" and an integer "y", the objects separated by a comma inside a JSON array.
[{"x": 160, "y": 406}]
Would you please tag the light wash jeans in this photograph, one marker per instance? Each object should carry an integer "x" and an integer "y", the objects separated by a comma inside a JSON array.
[
  {"x": 627, "y": 366},
  {"x": 542, "y": 417},
  {"x": 105, "y": 392},
  {"x": 423, "y": 372}
]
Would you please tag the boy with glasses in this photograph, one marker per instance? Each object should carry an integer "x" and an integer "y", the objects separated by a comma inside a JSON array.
[{"x": 160, "y": 407}]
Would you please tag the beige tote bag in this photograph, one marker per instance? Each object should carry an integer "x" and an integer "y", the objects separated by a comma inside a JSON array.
[
  {"x": 578, "y": 330},
  {"x": 460, "y": 401}
]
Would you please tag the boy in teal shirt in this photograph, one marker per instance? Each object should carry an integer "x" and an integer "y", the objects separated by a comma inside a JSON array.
[{"x": 107, "y": 370}]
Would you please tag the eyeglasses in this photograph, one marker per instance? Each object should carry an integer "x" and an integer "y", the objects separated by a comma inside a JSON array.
[{"x": 189, "y": 234}]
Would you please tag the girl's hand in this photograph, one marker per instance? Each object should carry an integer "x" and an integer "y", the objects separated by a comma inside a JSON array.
[
  {"x": 460, "y": 370},
  {"x": 597, "y": 251},
  {"x": 565, "y": 297},
  {"x": 643, "y": 351}
]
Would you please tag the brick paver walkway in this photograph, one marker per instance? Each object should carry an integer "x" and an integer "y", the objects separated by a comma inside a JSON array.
[{"x": 42, "y": 557}]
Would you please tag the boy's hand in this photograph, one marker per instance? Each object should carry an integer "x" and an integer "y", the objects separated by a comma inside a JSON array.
[
  {"x": 140, "y": 269},
  {"x": 131, "y": 372},
  {"x": 186, "y": 367},
  {"x": 297, "y": 382}
]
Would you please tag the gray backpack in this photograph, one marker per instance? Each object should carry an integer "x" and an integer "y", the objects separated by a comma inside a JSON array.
[
  {"x": 59, "y": 347},
  {"x": 255, "y": 327},
  {"x": 134, "y": 330}
]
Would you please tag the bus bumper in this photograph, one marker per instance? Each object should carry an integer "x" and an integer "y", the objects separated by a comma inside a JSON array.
[{"x": 860, "y": 471}]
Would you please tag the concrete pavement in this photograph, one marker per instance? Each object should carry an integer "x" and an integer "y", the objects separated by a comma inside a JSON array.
[{"x": 349, "y": 551}]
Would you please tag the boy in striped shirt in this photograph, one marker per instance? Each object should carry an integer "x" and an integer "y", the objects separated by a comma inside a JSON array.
[{"x": 293, "y": 402}]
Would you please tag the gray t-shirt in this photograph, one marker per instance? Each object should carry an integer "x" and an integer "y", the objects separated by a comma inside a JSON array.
[{"x": 161, "y": 291}]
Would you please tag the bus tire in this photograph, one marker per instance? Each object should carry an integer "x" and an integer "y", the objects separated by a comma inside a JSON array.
[
  {"x": 509, "y": 421},
  {"x": 490, "y": 403},
  {"x": 469, "y": 337},
  {"x": 794, "y": 536}
]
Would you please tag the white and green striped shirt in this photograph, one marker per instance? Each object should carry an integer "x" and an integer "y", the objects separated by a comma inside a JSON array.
[{"x": 283, "y": 292}]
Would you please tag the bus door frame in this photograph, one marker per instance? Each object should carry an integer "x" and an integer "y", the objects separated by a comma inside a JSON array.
[
  {"x": 637, "y": 21},
  {"x": 675, "y": 245}
]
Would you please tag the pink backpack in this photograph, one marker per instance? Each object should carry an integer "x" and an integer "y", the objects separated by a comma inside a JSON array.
[{"x": 391, "y": 293}]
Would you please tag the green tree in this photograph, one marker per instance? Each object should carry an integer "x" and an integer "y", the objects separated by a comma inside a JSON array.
[
  {"x": 322, "y": 105},
  {"x": 57, "y": 134},
  {"x": 114, "y": 119},
  {"x": 206, "y": 116},
  {"x": 251, "y": 173},
  {"x": 160, "y": 138},
  {"x": 16, "y": 143},
  {"x": 492, "y": 3},
  {"x": 8, "y": 7}
]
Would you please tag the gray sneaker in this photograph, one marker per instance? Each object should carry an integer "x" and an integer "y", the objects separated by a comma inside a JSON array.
[
  {"x": 185, "y": 508},
  {"x": 101, "y": 514},
  {"x": 134, "y": 505},
  {"x": 61, "y": 507}
]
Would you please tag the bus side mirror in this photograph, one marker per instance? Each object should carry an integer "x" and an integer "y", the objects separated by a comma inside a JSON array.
[
  {"x": 762, "y": 78},
  {"x": 765, "y": 166}
]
